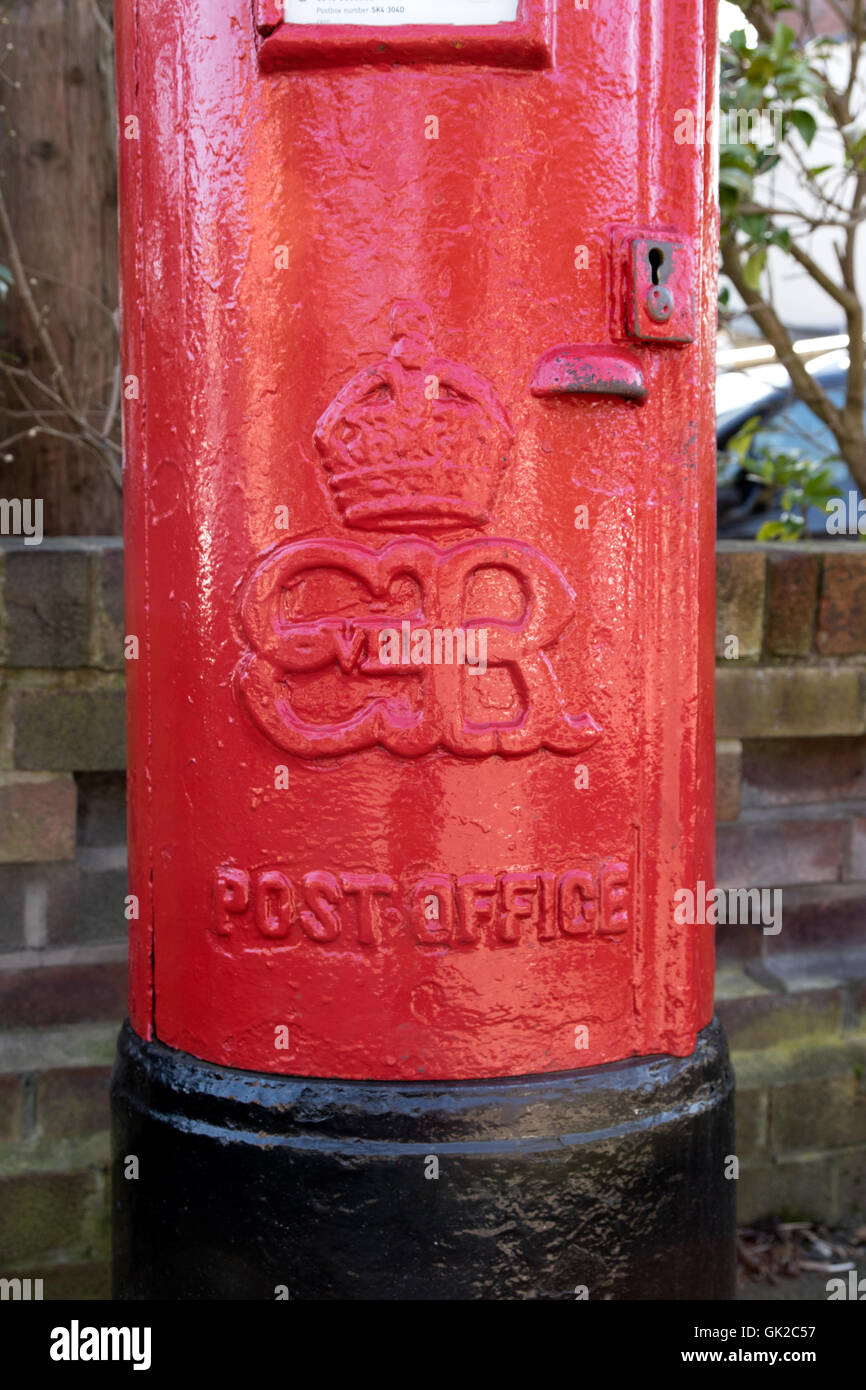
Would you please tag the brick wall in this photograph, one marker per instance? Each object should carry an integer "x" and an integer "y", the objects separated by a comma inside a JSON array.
[
  {"x": 791, "y": 812},
  {"x": 62, "y": 889},
  {"x": 792, "y": 815}
]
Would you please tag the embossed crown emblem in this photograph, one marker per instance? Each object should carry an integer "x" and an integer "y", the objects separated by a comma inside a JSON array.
[{"x": 414, "y": 443}]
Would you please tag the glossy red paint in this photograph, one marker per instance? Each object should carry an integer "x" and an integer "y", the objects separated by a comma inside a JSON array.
[{"x": 340, "y": 275}]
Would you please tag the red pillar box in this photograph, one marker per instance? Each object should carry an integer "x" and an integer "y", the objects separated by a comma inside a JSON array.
[{"x": 419, "y": 342}]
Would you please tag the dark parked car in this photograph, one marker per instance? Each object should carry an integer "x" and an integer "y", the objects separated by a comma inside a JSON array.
[{"x": 744, "y": 504}]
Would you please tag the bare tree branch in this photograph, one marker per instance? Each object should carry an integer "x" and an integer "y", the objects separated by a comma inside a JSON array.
[{"x": 57, "y": 389}]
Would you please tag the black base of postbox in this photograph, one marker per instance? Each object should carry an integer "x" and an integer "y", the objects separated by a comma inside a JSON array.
[{"x": 604, "y": 1183}]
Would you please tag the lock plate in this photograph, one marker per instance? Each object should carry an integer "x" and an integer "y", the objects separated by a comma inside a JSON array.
[{"x": 660, "y": 291}]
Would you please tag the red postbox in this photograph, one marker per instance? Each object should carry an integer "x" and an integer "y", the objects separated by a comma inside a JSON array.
[{"x": 418, "y": 325}]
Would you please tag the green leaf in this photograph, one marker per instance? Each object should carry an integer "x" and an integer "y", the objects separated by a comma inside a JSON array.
[
  {"x": 767, "y": 162},
  {"x": 735, "y": 156},
  {"x": 761, "y": 70},
  {"x": 754, "y": 268},
  {"x": 754, "y": 224},
  {"x": 778, "y": 531},
  {"x": 738, "y": 180},
  {"x": 795, "y": 85},
  {"x": 782, "y": 40},
  {"x": 805, "y": 123},
  {"x": 728, "y": 201},
  {"x": 740, "y": 443}
]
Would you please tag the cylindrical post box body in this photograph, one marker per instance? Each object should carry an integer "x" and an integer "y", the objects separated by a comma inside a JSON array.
[{"x": 419, "y": 334}]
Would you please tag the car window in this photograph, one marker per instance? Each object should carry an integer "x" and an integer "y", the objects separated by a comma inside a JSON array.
[
  {"x": 739, "y": 397},
  {"x": 796, "y": 427}
]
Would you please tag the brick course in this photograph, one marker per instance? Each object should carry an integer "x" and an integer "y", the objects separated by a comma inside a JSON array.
[
  {"x": 792, "y": 586},
  {"x": 62, "y": 886},
  {"x": 740, "y": 578},
  {"x": 842, "y": 610},
  {"x": 75, "y": 730},
  {"x": 794, "y": 1004},
  {"x": 729, "y": 758},
  {"x": 72, "y": 1103},
  {"x": 37, "y": 817},
  {"x": 53, "y": 994},
  {"x": 47, "y": 598},
  {"x": 789, "y": 701}
]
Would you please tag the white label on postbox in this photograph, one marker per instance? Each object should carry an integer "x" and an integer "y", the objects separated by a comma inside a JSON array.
[{"x": 381, "y": 13}]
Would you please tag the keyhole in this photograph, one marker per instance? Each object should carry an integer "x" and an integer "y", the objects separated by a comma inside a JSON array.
[{"x": 656, "y": 259}]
